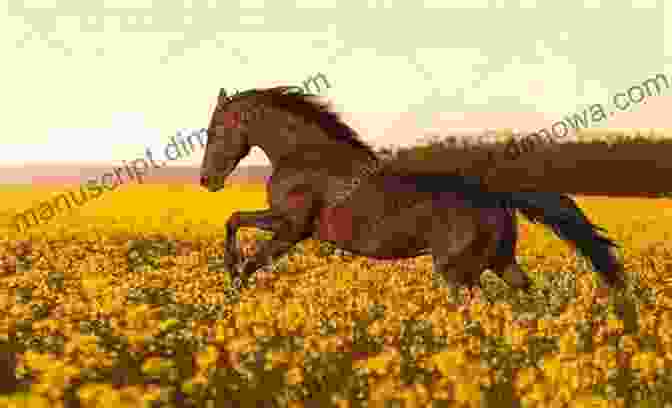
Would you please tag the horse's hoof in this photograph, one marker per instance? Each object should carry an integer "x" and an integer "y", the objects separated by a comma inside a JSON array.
[
  {"x": 230, "y": 268},
  {"x": 237, "y": 283}
]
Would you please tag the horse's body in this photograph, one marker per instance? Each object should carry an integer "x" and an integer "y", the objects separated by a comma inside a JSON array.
[{"x": 323, "y": 186}]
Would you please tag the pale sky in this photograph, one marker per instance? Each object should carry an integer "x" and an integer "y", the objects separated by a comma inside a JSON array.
[{"x": 99, "y": 81}]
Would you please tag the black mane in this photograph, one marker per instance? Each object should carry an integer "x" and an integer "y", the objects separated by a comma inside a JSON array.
[{"x": 292, "y": 99}]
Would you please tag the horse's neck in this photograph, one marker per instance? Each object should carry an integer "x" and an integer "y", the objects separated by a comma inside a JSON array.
[
  {"x": 329, "y": 161},
  {"x": 283, "y": 137},
  {"x": 291, "y": 143},
  {"x": 306, "y": 145}
]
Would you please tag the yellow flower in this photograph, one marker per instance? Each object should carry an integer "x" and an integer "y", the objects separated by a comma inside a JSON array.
[
  {"x": 517, "y": 336},
  {"x": 109, "y": 398},
  {"x": 151, "y": 395},
  {"x": 37, "y": 401},
  {"x": 589, "y": 401},
  {"x": 294, "y": 376},
  {"x": 629, "y": 344},
  {"x": 568, "y": 343},
  {"x": 409, "y": 397},
  {"x": 155, "y": 364},
  {"x": 473, "y": 344},
  {"x": 380, "y": 364},
  {"x": 539, "y": 392},
  {"x": 279, "y": 357},
  {"x": 526, "y": 377},
  {"x": 552, "y": 368},
  {"x": 89, "y": 392},
  {"x": 293, "y": 316},
  {"x": 381, "y": 388},
  {"x": 449, "y": 362},
  {"x": 221, "y": 333},
  {"x": 240, "y": 344},
  {"x": 644, "y": 361},
  {"x": 477, "y": 310},
  {"x": 422, "y": 393},
  {"x": 38, "y": 361},
  {"x": 614, "y": 325},
  {"x": 564, "y": 394},
  {"x": 467, "y": 392},
  {"x": 545, "y": 326},
  {"x": 208, "y": 357},
  {"x": 135, "y": 339}
]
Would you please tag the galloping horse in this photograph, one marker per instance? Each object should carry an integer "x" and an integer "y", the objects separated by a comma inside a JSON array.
[{"x": 328, "y": 184}]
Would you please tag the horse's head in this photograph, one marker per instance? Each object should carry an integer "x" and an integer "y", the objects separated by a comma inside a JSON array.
[
  {"x": 281, "y": 121},
  {"x": 227, "y": 144}
]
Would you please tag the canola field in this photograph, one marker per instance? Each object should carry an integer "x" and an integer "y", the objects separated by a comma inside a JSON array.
[{"x": 123, "y": 302}]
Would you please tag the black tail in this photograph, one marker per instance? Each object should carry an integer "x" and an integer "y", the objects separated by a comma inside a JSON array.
[
  {"x": 566, "y": 219},
  {"x": 558, "y": 211}
]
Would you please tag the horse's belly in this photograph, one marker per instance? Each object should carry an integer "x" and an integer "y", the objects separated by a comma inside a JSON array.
[{"x": 386, "y": 240}]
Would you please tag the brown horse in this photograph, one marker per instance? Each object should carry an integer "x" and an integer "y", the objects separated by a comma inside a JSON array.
[{"x": 329, "y": 185}]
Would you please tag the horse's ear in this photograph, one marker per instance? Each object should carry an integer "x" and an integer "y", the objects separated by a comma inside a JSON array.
[{"x": 222, "y": 99}]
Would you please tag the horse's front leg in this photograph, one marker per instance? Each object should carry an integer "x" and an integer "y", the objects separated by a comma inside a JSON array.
[
  {"x": 292, "y": 228},
  {"x": 268, "y": 251},
  {"x": 266, "y": 220}
]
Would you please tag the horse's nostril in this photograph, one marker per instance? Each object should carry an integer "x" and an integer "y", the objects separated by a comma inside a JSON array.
[{"x": 204, "y": 180}]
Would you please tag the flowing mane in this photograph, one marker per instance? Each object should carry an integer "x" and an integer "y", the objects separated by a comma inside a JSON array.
[{"x": 293, "y": 100}]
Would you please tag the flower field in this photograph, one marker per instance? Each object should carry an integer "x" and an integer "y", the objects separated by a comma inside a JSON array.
[{"x": 124, "y": 303}]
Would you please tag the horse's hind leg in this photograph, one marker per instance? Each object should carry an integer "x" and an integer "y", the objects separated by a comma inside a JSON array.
[
  {"x": 458, "y": 251},
  {"x": 503, "y": 262},
  {"x": 454, "y": 272},
  {"x": 456, "y": 275},
  {"x": 514, "y": 276}
]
